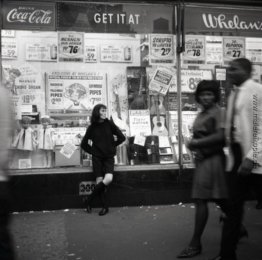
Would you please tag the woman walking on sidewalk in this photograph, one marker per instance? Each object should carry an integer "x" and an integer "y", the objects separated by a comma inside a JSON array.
[
  {"x": 100, "y": 140},
  {"x": 209, "y": 182}
]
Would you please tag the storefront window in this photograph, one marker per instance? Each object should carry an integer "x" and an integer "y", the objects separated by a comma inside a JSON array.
[
  {"x": 61, "y": 59},
  {"x": 214, "y": 36}
]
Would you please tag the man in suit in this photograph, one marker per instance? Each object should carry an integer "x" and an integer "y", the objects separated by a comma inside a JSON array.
[{"x": 243, "y": 136}]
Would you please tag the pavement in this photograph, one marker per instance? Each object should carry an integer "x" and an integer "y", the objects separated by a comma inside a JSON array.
[{"x": 126, "y": 233}]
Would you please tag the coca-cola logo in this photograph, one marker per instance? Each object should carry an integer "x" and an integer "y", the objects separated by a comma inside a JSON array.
[
  {"x": 235, "y": 23},
  {"x": 37, "y": 16}
]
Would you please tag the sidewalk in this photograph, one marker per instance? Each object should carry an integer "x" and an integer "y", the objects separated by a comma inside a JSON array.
[{"x": 127, "y": 233}]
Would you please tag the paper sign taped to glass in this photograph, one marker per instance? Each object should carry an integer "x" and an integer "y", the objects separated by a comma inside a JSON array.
[
  {"x": 161, "y": 80},
  {"x": 68, "y": 150}
]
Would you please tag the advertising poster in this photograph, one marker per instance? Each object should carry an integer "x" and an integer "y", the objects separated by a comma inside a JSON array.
[
  {"x": 161, "y": 49},
  {"x": 41, "y": 51},
  {"x": 194, "y": 50},
  {"x": 116, "y": 53},
  {"x": 69, "y": 90},
  {"x": 254, "y": 49},
  {"x": 139, "y": 121},
  {"x": 190, "y": 78},
  {"x": 25, "y": 86},
  {"x": 233, "y": 48},
  {"x": 9, "y": 48},
  {"x": 90, "y": 54},
  {"x": 71, "y": 46},
  {"x": 161, "y": 80},
  {"x": 214, "y": 50}
]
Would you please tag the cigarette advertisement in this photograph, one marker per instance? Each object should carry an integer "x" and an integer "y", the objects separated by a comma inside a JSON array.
[
  {"x": 69, "y": 90},
  {"x": 71, "y": 46},
  {"x": 161, "y": 49}
]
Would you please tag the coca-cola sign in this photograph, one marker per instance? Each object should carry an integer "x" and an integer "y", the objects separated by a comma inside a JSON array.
[{"x": 27, "y": 15}]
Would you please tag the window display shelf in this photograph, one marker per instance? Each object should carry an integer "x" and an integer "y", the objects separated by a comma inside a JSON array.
[{"x": 70, "y": 170}]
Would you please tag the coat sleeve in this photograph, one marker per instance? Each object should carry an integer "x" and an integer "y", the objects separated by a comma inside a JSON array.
[
  {"x": 118, "y": 133},
  {"x": 84, "y": 143}
]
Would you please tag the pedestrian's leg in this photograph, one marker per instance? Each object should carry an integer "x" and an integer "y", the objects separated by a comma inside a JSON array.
[
  {"x": 201, "y": 217},
  {"x": 107, "y": 181},
  {"x": 97, "y": 190}
]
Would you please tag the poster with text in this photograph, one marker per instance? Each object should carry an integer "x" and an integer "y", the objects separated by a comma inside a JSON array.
[
  {"x": 233, "y": 48},
  {"x": 254, "y": 49},
  {"x": 214, "y": 50},
  {"x": 139, "y": 121},
  {"x": 161, "y": 80},
  {"x": 71, "y": 46},
  {"x": 90, "y": 54},
  {"x": 161, "y": 49},
  {"x": 190, "y": 78},
  {"x": 194, "y": 50},
  {"x": 9, "y": 48},
  {"x": 69, "y": 90},
  {"x": 116, "y": 53},
  {"x": 41, "y": 51}
]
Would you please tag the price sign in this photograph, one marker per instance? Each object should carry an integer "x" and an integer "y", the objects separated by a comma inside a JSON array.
[
  {"x": 233, "y": 48},
  {"x": 190, "y": 79},
  {"x": 9, "y": 48},
  {"x": 194, "y": 50},
  {"x": 161, "y": 49},
  {"x": 71, "y": 47},
  {"x": 86, "y": 187},
  {"x": 8, "y": 33},
  {"x": 90, "y": 53}
]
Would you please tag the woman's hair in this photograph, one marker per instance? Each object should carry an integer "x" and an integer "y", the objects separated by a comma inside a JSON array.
[
  {"x": 96, "y": 113},
  {"x": 208, "y": 85}
]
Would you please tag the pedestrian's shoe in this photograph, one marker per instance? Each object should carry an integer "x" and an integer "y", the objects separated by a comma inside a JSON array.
[
  {"x": 190, "y": 251},
  {"x": 103, "y": 211},
  {"x": 88, "y": 209}
]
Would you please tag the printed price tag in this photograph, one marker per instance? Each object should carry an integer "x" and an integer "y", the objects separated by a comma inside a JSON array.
[{"x": 71, "y": 46}]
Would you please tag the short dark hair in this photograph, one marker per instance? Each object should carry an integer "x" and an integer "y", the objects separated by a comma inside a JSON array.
[
  {"x": 208, "y": 85},
  {"x": 245, "y": 64},
  {"x": 95, "y": 113}
]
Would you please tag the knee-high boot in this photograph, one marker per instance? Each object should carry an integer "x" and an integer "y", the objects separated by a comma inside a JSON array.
[
  {"x": 103, "y": 197},
  {"x": 99, "y": 188}
]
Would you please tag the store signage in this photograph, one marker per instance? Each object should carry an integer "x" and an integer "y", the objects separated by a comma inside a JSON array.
[
  {"x": 228, "y": 21},
  {"x": 115, "y": 18},
  {"x": 30, "y": 15}
]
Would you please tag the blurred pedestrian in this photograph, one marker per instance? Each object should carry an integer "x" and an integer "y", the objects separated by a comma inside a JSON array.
[
  {"x": 243, "y": 136},
  {"x": 209, "y": 183},
  {"x": 6, "y": 245},
  {"x": 100, "y": 140}
]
